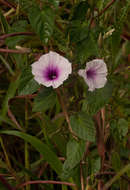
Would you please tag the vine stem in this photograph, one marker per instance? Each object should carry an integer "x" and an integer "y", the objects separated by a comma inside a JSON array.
[
  {"x": 45, "y": 182},
  {"x": 116, "y": 177},
  {"x": 15, "y": 34},
  {"x": 103, "y": 11},
  {"x": 65, "y": 113},
  {"x": 13, "y": 51},
  {"x": 8, "y": 4},
  {"x": 107, "y": 7}
]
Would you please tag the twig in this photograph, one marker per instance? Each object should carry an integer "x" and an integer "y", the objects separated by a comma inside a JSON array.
[
  {"x": 107, "y": 7},
  {"x": 65, "y": 113},
  {"x": 12, "y": 51},
  {"x": 45, "y": 182},
  {"x": 8, "y": 4},
  {"x": 108, "y": 173},
  {"x": 102, "y": 12},
  {"x": 30, "y": 96},
  {"x": 4, "y": 174},
  {"x": 15, "y": 34},
  {"x": 59, "y": 115}
]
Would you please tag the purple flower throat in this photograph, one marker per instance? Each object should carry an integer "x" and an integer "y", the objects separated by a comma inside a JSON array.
[
  {"x": 90, "y": 73},
  {"x": 51, "y": 73}
]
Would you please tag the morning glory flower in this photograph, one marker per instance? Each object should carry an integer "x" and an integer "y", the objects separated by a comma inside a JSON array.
[
  {"x": 51, "y": 69},
  {"x": 94, "y": 74}
]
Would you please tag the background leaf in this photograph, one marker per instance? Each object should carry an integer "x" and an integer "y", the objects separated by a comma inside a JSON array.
[
  {"x": 45, "y": 99},
  {"x": 42, "y": 22},
  {"x": 97, "y": 99},
  {"x": 18, "y": 26},
  {"x": 83, "y": 126},
  {"x": 27, "y": 84},
  {"x": 48, "y": 155},
  {"x": 73, "y": 157}
]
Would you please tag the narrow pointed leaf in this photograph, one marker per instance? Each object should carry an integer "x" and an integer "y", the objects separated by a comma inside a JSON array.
[{"x": 42, "y": 148}]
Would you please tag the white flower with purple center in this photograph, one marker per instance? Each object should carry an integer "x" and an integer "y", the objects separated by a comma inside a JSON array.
[
  {"x": 94, "y": 74},
  {"x": 51, "y": 69}
]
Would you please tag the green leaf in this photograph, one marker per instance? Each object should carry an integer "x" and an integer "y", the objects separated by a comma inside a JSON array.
[
  {"x": 115, "y": 39},
  {"x": 122, "y": 127},
  {"x": 83, "y": 125},
  {"x": 2, "y": 187},
  {"x": 4, "y": 23},
  {"x": 78, "y": 31},
  {"x": 10, "y": 94},
  {"x": 55, "y": 3},
  {"x": 45, "y": 99},
  {"x": 42, "y": 21},
  {"x": 7, "y": 121},
  {"x": 18, "y": 26},
  {"x": 116, "y": 162},
  {"x": 60, "y": 142},
  {"x": 27, "y": 84},
  {"x": 42, "y": 148},
  {"x": 75, "y": 151},
  {"x": 80, "y": 11},
  {"x": 97, "y": 99},
  {"x": 88, "y": 47},
  {"x": 25, "y": 5},
  {"x": 95, "y": 165}
]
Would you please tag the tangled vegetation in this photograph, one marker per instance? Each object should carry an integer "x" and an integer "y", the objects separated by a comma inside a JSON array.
[{"x": 66, "y": 138}]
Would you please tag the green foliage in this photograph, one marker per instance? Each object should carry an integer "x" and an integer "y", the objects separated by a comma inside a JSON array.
[
  {"x": 55, "y": 3},
  {"x": 42, "y": 22},
  {"x": 87, "y": 48},
  {"x": 122, "y": 127},
  {"x": 95, "y": 165},
  {"x": 18, "y": 26},
  {"x": 80, "y": 11},
  {"x": 116, "y": 162},
  {"x": 45, "y": 99},
  {"x": 70, "y": 134},
  {"x": 27, "y": 84},
  {"x": 4, "y": 23},
  {"x": 97, "y": 99},
  {"x": 82, "y": 124},
  {"x": 10, "y": 94},
  {"x": 73, "y": 157},
  {"x": 86, "y": 45},
  {"x": 42, "y": 148},
  {"x": 115, "y": 41}
]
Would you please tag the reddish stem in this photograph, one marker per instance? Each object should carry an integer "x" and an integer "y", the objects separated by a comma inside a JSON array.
[
  {"x": 45, "y": 182},
  {"x": 107, "y": 7},
  {"x": 102, "y": 12},
  {"x": 29, "y": 96},
  {"x": 8, "y": 4},
  {"x": 15, "y": 34},
  {"x": 12, "y": 51}
]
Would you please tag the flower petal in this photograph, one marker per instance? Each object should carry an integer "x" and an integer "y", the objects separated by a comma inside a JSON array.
[
  {"x": 98, "y": 64},
  {"x": 94, "y": 74},
  {"x": 59, "y": 68},
  {"x": 100, "y": 81}
]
